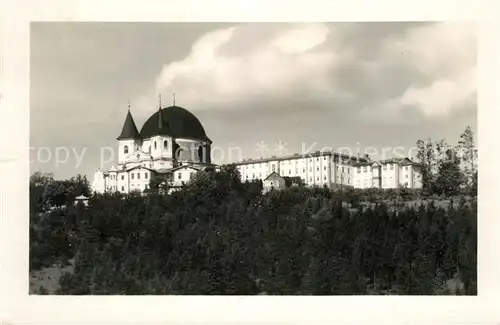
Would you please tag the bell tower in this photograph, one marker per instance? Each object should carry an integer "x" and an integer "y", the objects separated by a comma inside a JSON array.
[{"x": 129, "y": 139}]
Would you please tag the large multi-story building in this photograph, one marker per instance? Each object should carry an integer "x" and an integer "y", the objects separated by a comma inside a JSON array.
[
  {"x": 171, "y": 142},
  {"x": 333, "y": 169},
  {"x": 390, "y": 173},
  {"x": 315, "y": 169}
]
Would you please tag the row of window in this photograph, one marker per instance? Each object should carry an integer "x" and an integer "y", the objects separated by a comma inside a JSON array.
[
  {"x": 132, "y": 175},
  {"x": 165, "y": 146},
  {"x": 191, "y": 174},
  {"x": 114, "y": 188},
  {"x": 325, "y": 178},
  {"x": 367, "y": 168},
  {"x": 257, "y": 165},
  {"x": 310, "y": 169}
]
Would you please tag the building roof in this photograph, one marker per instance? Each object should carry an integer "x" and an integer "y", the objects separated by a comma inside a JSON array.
[
  {"x": 398, "y": 160},
  {"x": 138, "y": 167},
  {"x": 175, "y": 122},
  {"x": 273, "y": 175},
  {"x": 129, "y": 130},
  {"x": 298, "y": 156},
  {"x": 185, "y": 166}
]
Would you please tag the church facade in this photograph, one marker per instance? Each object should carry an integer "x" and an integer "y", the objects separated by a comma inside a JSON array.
[{"x": 172, "y": 143}]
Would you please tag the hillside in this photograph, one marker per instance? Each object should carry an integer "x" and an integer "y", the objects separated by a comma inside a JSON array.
[{"x": 220, "y": 236}]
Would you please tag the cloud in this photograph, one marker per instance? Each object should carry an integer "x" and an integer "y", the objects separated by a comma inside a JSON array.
[
  {"x": 442, "y": 60},
  {"x": 287, "y": 61},
  {"x": 427, "y": 67},
  {"x": 443, "y": 95}
]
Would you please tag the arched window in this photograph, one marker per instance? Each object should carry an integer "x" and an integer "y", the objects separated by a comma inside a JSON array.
[
  {"x": 125, "y": 149},
  {"x": 165, "y": 144},
  {"x": 155, "y": 145}
]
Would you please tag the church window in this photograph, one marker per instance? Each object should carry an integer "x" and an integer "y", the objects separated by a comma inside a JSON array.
[
  {"x": 155, "y": 145},
  {"x": 123, "y": 188},
  {"x": 165, "y": 144},
  {"x": 191, "y": 175},
  {"x": 146, "y": 175},
  {"x": 179, "y": 176},
  {"x": 132, "y": 175},
  {"x": 149, "y": 149},
  {"x": 123, "y": 177},
  {"x": 125, "y": 149},
  {"x": 138, "y": 175}
]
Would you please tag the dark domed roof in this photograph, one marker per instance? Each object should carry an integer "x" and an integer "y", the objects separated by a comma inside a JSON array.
[{"x": 177, "y": 122}]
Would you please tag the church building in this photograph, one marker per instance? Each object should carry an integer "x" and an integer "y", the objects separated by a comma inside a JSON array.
[{"x": 172, "y": 142}]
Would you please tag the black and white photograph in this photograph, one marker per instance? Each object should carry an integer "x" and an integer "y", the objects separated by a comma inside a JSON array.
[
  {"x": 253, "y": 158},
  {"x": 230, "y": 162}
]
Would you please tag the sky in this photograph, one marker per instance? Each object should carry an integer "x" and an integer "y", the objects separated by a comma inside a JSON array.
[{"x": 259, "y": 89}]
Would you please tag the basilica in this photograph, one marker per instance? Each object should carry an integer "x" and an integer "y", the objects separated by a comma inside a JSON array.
[{"x": 172, "y": 142}]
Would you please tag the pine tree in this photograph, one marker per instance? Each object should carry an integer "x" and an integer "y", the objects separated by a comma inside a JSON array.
[
  {"x": 425, "y": 157},
  {"x": 449, "y": 176},
  {"x": 468, "y": 153}
]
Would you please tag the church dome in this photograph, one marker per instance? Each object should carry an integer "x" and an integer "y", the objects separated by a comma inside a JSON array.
[{"x": 175, "y": 122}]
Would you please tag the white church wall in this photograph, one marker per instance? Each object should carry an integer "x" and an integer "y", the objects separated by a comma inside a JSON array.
[{"x": 126, "y": 148}]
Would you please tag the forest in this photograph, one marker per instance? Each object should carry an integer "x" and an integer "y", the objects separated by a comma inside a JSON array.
[{"x": 220, "y": 236}]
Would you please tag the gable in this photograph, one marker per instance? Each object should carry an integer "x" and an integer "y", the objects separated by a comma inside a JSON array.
[
  {"x": 181, "y": 168},
  {"x": 138, "y": 167},
  {"x": 273, "y": 177}
]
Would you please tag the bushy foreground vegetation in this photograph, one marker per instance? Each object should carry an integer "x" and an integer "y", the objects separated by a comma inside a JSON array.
[{"x": 219, "y": 236}]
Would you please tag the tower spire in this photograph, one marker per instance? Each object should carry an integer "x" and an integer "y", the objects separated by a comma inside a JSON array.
[
  {"x": 129, "y": 105},
  {"x": 160, "y": 120},
  {"x": 173, "y": 99}
]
